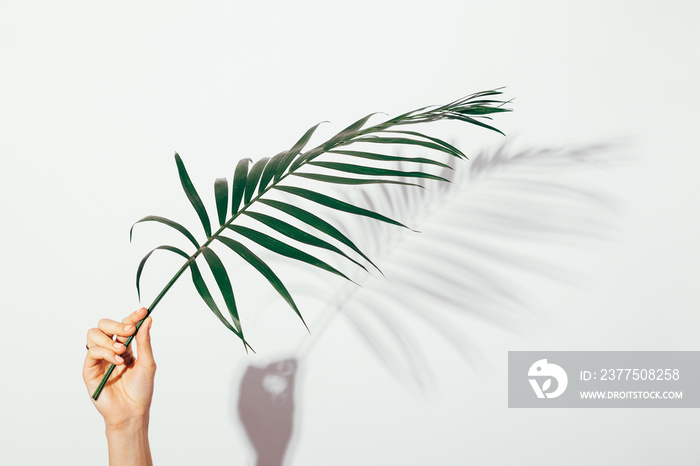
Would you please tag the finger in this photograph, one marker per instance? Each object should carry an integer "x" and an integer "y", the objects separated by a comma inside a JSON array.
[
  {"x": 135, "y": 316},
  {"x": 133, "y": 319},
  {"x": 99, "y": 353},
  {"x": 96, "y": 337},
  {"x": 111, "y": 327},
  {"x": 143, "y": 340}
]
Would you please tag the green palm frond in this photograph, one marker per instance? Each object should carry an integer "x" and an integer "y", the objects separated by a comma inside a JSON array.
[{"x": 253, "y": 185}]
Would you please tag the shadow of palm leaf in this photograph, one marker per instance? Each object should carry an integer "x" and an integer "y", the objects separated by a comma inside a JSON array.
[
  {"x": 474, "y": 232},
  {"x": 464, "y": 260}
]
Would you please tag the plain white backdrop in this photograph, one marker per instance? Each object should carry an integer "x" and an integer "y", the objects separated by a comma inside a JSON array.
[{"x": 95, "y": 97}]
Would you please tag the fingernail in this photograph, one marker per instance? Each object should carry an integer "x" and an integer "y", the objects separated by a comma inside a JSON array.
[
  {"x": 118, "y": 345},
  {"x": 127, "y": 327},
  {"x": 119, "y": 359}
]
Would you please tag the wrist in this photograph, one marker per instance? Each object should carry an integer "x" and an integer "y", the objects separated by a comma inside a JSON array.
[
  {"x": 127, "y": 442},
  {"x": 132, "y": 425}
]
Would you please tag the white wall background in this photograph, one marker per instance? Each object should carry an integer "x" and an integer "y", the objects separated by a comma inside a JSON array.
[{"x": 96, "y": 96}]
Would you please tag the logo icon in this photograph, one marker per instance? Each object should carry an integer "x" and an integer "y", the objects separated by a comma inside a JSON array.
[{"x": 543, "y": 370}]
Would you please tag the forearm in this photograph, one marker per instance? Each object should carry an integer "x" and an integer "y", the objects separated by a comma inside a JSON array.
[{"x": 128, "y": 443}]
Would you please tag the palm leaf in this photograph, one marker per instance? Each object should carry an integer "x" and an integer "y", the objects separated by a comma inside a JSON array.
[
  {"x": 201, "y": 287},
  {"x": 295, "y": 150},
  {"x": 406, "y": 141},
  {"x": 298, "y": 234},
  {"x": 336, "y": 204},
  {"x": 449, "y": 147},
  {"x": 239, "y": 181},
  {"x": 317, "y": 223},
  {"x": 145, "y": 258},
  {"x": 284, "y": 249},
  {"x": 264, "y": 269},
  {"x": 253, "y": 178},
  {"x": 372, "y": 171},
  {"x": 221, "y": 276},
  {"x": 192, "y": 195},
  {"x": 221, "y": 195},
  {"x": 270, "y": 170},
  {"x": 343, "y": 180},
  {"x": 269, "y": 175},
  {"x": 348, "y": 132},
  {"x": 168, "y": 222},
  {"x": 388, "y": 158}
]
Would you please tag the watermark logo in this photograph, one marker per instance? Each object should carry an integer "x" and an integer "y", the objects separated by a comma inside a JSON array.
[
  {"x": 603, "y": 379},
  {"x": 542, "y": 370}
]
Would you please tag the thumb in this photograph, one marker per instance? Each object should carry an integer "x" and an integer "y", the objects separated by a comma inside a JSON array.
[{"x": 143, "y": 340}]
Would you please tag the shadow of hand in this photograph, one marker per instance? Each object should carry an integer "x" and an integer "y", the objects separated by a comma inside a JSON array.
[{"x": 266, "y": 409}]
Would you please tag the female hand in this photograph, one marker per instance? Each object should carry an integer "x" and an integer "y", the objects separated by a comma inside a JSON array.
[
  {"x": 127, "y": 394},
  {"x": 125, "y": 400}
]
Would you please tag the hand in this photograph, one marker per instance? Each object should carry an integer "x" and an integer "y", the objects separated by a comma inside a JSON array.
[{"x": 126, "y": 397}]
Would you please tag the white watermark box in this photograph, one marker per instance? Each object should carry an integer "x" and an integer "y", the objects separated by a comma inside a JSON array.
[{"x": 604, "y": 379}]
